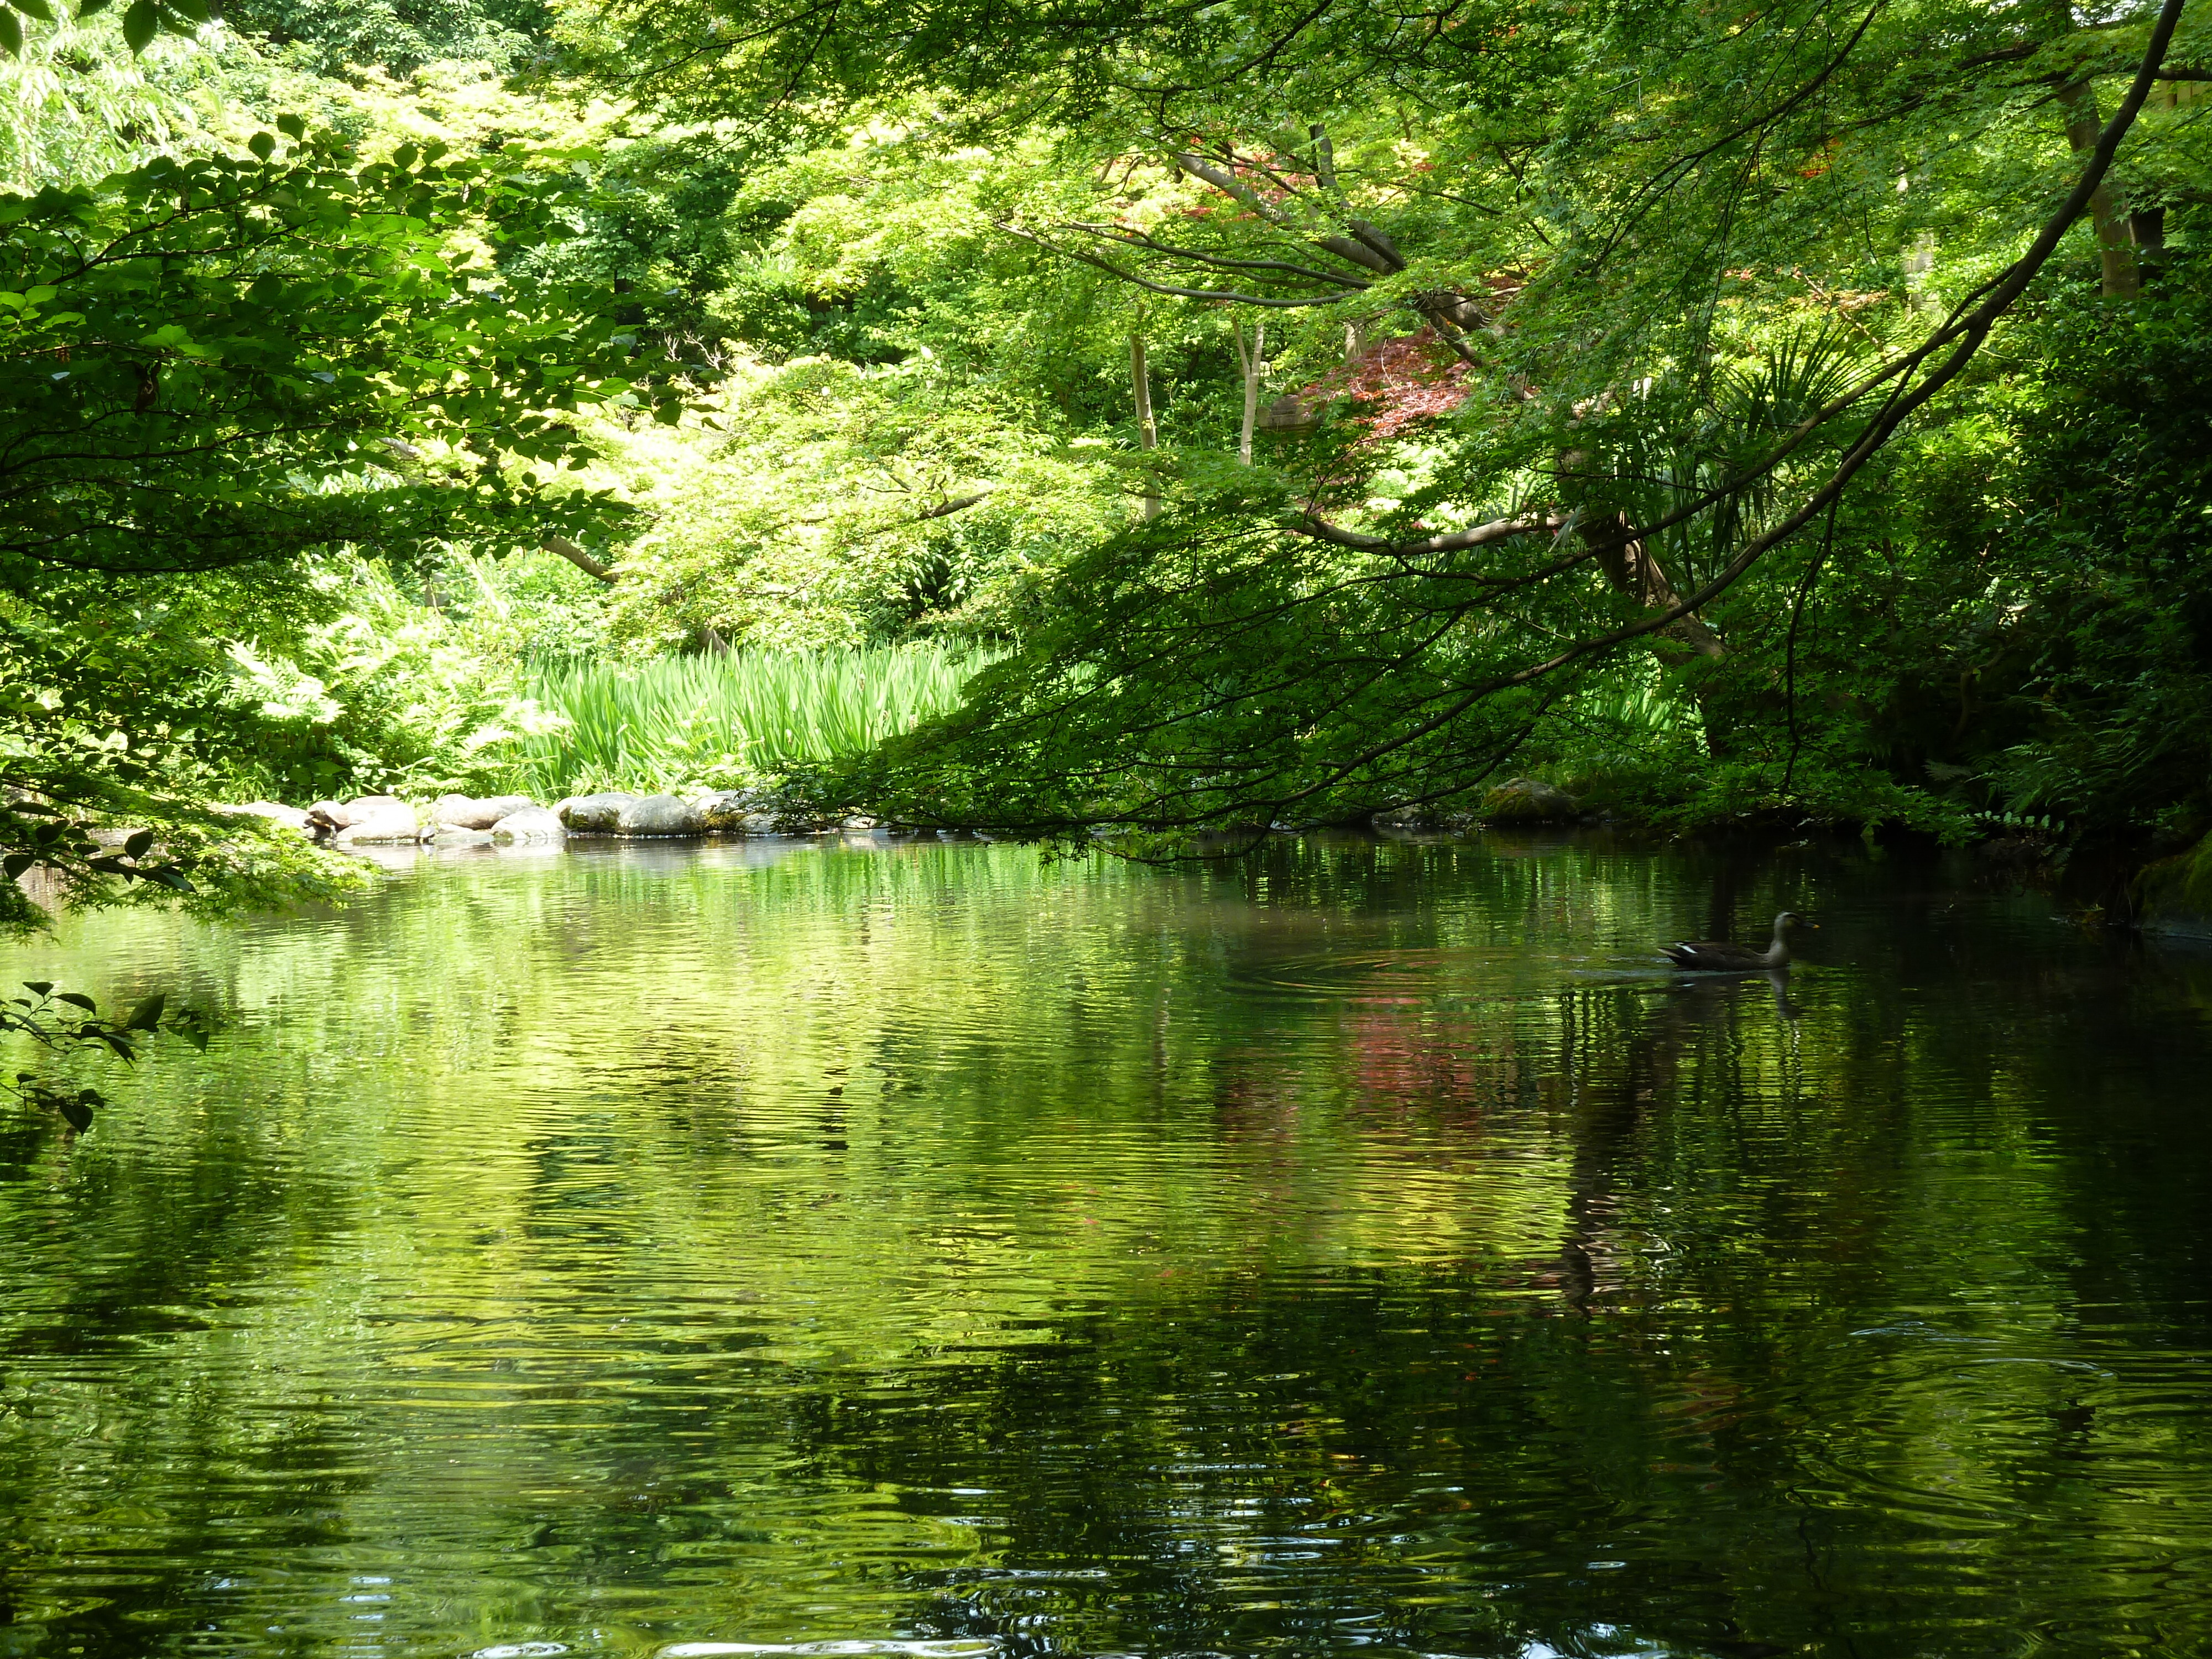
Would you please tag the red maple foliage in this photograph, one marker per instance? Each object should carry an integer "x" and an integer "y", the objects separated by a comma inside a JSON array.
[{"x": 1397, "y": 383}]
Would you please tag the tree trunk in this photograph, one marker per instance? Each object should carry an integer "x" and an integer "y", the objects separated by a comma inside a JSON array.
[
  {"x": 1148, "y": 435},
  {"x": 2123, "y": 279},
  {"x": 1919, "y": 260},
  {"x": 1635, "y": 570},
  {"x": 1253, "y": 363},
  {"x": 1632, "y": 568},
  {"x": 2116, "y": 252}
]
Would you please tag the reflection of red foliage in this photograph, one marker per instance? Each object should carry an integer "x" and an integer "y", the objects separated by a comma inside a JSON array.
[
  {"x": 1400, "y": 1060},
  {"x": 1399, "y": 382}
]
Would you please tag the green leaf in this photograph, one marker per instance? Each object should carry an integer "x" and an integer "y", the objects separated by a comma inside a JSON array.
[
  {"x": 139, "y": 24},
  {"x": 292, "y": 126},
  {"x": 78, "y": 1000},
  {"x": 11, "y": 33},
  {"x": 262, "y": 145},
  {"x": 16, "y": 863},
  {"x": 37, "y": 986},
  {"x": 76, "y": 1110},
  {"x": 136, "y": 845},
  {"x": 86, "y": 7},
  {"x": 148, "y": 1014}
]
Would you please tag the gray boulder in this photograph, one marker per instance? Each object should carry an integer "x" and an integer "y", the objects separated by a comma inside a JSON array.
[
  {"x": 379, "y": 820},
  {"x": 345, "y": 814},
  {"x": 595, "y": 815},
  {"x": 723, "y": 811},
  {"x": 470, "y": 812},
  {"x": 1525, "y": 800},
  {"x": 447, "y": 834},
  {"x": 659, "y": 815},
  {"x": 2174, "y": 894},
  {"x": 531, "y": 824},
  {"x": 291, "y": 818},
  {"x": 1417, "y": 819}
]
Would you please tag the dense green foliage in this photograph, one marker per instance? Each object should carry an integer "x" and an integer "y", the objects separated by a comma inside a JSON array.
[
  {"x": 724, "y": 721},
  {"x": 224, "y": 365},
  {"x": 1311, "y": 412}
]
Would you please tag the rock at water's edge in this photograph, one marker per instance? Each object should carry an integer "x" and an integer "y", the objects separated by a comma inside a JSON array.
[
  {"x": 291, "y": 818},
  {"x": 376, "y": 821},
  {"x": 532, "y": 823},
  {"x": 595, "y": 815},
  {"x": 345, "y": 814},
  {"x": 2174, "y": 895},
  {"x": 659, "y": 815},
  {"x": 724, "y": 811},
  {"x": 1421, "y": 817},
  {"x": 470, "y": 812},
  {"x": 1525, "y": 800}
]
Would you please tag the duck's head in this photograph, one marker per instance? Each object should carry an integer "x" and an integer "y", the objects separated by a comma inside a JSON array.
[{"x": 1788, "y": 920}]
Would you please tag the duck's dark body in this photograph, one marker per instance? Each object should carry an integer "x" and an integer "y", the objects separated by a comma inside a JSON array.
[{"x": 1719, "y": 955}]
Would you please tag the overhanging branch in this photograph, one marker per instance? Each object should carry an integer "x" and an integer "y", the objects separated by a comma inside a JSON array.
[{"x": 1173, "y": 290}]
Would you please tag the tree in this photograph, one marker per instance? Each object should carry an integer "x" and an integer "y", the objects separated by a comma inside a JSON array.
[
  {"x": 142, "y": 19},
  {"x": 1653, "y": 237},
  {"x": 227, "y": 364},
  {"x": 216, "y": 362}
]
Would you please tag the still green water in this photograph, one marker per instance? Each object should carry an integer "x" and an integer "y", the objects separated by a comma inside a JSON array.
[{"x": 908, "y": 1249}]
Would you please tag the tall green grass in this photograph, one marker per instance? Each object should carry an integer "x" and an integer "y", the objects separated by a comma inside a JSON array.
[{"x": 721, "y": 722}]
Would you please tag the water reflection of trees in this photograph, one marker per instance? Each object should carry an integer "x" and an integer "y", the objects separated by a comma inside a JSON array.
[{"x": 1352, "y": 1242}]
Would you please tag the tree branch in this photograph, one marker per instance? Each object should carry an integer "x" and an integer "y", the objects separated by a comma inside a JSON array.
[
  {"x": 1481, "y": 535},
  {"x": 957, "y": 504},
  {"x": 576, "y": 555},
  {"x": 1169, "y": 288},
  {"x": 1138, "y": 239}
]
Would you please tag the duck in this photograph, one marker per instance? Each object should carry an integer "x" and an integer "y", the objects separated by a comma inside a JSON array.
[{"x": 1725, "y": 957}]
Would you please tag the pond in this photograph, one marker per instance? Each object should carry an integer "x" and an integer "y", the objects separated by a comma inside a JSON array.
[{"x": 915, "y": 1248}]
